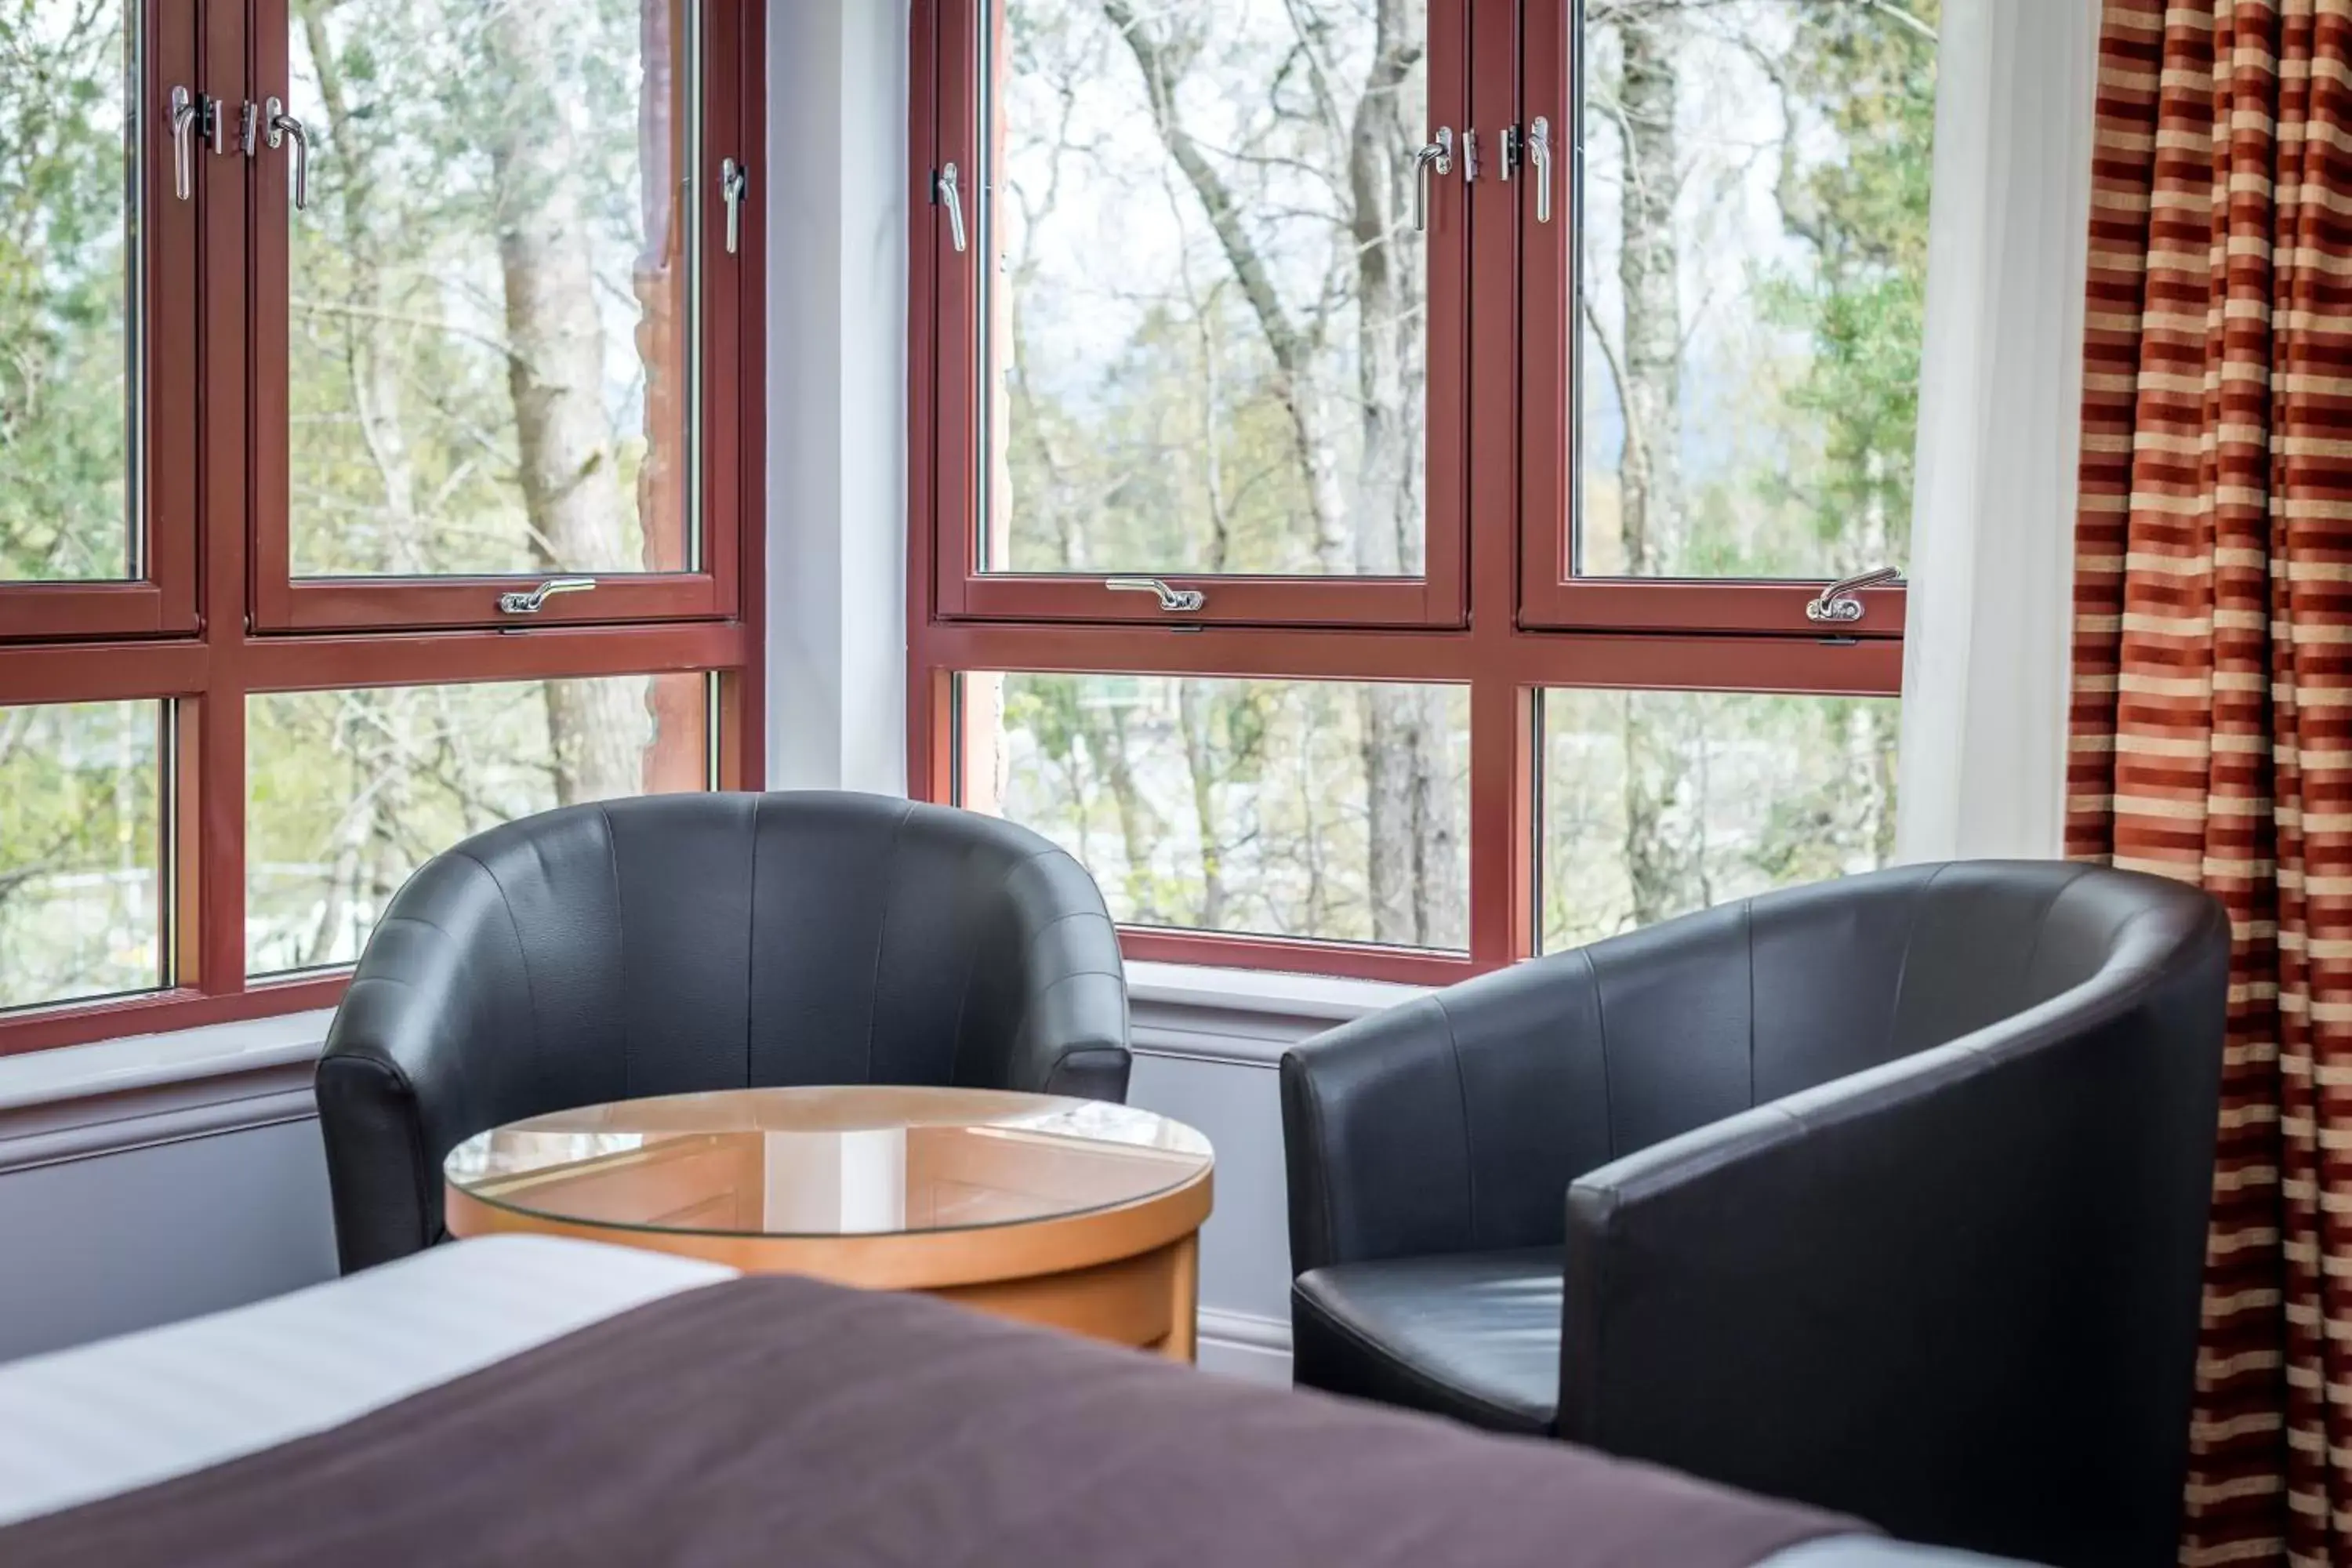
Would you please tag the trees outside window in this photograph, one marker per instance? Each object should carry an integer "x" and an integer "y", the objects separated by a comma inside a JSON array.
[
  {"x": 1505, "y": 507},
  {"x": 272, "y": 462}
]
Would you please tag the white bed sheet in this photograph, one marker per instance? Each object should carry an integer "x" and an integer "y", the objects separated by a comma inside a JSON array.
[{"x": 103, "y": 1418}]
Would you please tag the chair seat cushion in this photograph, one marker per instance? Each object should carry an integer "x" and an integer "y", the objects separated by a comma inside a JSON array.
[{"x": 1474, "y": 1335}]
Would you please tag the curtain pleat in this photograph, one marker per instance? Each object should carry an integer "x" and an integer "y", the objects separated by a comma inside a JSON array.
[{"x": 2212, "y": 678}]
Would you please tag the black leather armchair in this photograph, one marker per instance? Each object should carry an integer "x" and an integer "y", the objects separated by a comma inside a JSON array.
[
  {"x": 703, "y": 941},
  {"x": 1887, "y": 1195}
]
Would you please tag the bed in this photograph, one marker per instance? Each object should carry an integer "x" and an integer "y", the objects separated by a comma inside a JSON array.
[{"x": 526, "y": 1399}]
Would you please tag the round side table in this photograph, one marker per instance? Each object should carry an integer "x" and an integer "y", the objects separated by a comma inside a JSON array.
[{"x": 1071, "y": 1213}]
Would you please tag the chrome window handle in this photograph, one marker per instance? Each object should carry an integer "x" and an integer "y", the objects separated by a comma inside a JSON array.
[
  {"x": 1170, "y": 599},
  {"x": 946, "y": 193},
  {"x": 1539, "y": 157},
  {"x": 280, "y": 126},
  {"x": 734, "y": 185},
  {"x": 1438, "y": 155},
  {"x": 1837, "y": 604},
  {"x": 184, "y": 143},
  {"x": 531, "y": 602}
]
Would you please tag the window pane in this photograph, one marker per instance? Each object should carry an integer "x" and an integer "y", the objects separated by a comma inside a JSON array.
[
  {"x": 80, "y": 851},
  {"x": 350, "y": 790},
  {"x": 1206, "y": 356},
  {"x": 69, "y": 274},
  {"x": 489, "y": 292},
  {"x": 1296, "y": 808},
  {"x": 1658, "y": 803},
  {"x": 1753, "y": 266}
]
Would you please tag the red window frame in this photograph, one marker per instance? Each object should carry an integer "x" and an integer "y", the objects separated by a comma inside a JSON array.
[
  {"x": 211, "y": 627},
  {"x": 947, "y": 125},
  {"x": 161, "y": 596},
  {"x": 1551, "y": 593},
  {"x": 1524, "y": 624},
  {"x": 283, "y": 601}
]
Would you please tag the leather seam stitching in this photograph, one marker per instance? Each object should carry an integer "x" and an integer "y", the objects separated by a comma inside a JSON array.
[
  {"x": 1600, "y": 1023},
  {"x": 1462, "y": 1099},
  {"x": 882, "y": 934},
  {"x": 1747, "y": 931},
  {"x": 620, "y": 938},
  {"x": 751, "y": 937},
  {"x": 1910, "y": 939},
  {"x": 1323, "y": 1168},
  {"x": 522, "y": 949}
]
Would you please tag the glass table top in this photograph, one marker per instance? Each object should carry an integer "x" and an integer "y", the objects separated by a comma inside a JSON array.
[{"x": 828, "y": 1162}]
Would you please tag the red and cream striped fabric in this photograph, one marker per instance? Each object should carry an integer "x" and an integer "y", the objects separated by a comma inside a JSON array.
[{"x": 2213, "y": 678}]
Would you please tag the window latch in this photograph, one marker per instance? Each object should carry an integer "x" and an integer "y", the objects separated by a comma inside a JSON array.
[
  {"x": 1170, "y": 599},
  {"x": 734, "y": 185},
  {"x": 531, "y": 602},
  {"x": 184, "y": 113},
  {"x": 1438, "y": 155},
  {"x": 1507, "y": 156},
  {"x": 280, "y": 125},
  {"x": 1539, "y": 158},
  {"x": 945, "y": 193},
  {"x": 1838, "y": 604}
]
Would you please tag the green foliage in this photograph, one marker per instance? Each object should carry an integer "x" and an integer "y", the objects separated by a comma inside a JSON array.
[
  {"x": 65, "y": 454},
  {"x": 1865, "y": 212},
  {"x": 423, "y": 321},
  {"x": 1658, "y": 803},
  {"x": 79, "y": 853}
]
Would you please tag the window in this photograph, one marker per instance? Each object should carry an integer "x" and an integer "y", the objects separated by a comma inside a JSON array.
[
  {"x": 1238, "y": 806},
  {"x": 371, "y": 465},
  {"x": 1375, "y": 468}
]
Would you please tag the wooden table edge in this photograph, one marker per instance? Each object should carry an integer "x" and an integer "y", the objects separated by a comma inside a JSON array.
[{"x": 890, "y": 1261}]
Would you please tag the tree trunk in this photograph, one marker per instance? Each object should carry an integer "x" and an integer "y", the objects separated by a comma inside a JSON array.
[
  {"x": 1138, "y": 827},
  {"x": 376, "y": 403},
  {"x": 1410, "y": 828},
  {"x": 1201, "y": 766},
  {"x": 1411, "y": 832},
  {"x": 555, "y": 366},
  {"x": 1648, "y": 272}
]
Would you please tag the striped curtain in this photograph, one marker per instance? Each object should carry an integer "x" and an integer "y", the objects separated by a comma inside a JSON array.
[{"x": 2211, "y": 729}]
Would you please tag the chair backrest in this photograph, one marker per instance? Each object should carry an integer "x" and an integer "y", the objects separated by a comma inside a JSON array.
[
  {"x": 702, "y": 941},
  {"x": 1554, "y": 1067},
  {"x": 1704, "y": 1016}
]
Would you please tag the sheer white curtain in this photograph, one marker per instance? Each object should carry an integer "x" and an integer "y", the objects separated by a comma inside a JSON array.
[{"x": 1985, "y": 665}]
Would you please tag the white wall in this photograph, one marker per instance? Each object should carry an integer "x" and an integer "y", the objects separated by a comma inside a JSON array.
[{"x": 115, "y": 1242}]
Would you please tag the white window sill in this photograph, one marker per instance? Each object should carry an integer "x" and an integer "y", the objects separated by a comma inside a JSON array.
[
  {"x": 133, "y": 1062},
  {"x": 1332, "y": 998},
  {"x": 1245, "y": 1015},
  {"x": 79, "y": 1101}
]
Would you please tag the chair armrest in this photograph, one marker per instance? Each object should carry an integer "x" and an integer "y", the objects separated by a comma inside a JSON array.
[
  {"x": 1957, "y": 1295},
  {"x": 1067, "y": 1032},
  {"x": 385, "y": 1203},
  {"x": 1073, "y": 1037},
  {"x": 1449, "y": 1124},
  {"x": 429, "y": 1045}
]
